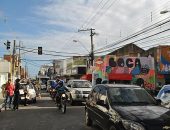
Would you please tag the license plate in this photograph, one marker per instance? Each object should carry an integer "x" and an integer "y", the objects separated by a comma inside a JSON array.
[{"x": 22, "y": 97}]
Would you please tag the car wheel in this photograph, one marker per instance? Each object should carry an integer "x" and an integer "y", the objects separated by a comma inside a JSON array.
[
  {"x": 71, "y": 100},
  {"x": 112, "y": 128},
  {"x": 88, "y": 120}
]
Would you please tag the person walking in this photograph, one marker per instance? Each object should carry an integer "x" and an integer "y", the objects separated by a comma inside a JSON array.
[
  {"x": 38, "y": 88},
  {"x": 3, "y": 90},
  {"x": 9, "y": 92},
  {"x": 16, "y": 94},
  {"x": 26, "y": 87}
]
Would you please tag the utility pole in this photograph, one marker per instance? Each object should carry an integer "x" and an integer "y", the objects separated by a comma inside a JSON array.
[
  {"x": 25, "y": 70},
  {"x": 92, "y": 52},
  {"x": 92, "y": 45},
  {"x": 13, "y": 61},
  {"x": 19, "y": 59}
]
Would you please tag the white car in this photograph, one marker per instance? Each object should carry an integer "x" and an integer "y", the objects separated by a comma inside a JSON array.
[
  {"x": 78, "y": 90},
  {"x": 31, "y": 95},
  {"x": 164, "y": 95}
]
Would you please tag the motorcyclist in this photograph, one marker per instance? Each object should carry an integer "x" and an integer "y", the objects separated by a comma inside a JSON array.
[{"x": 60, "y": 88}]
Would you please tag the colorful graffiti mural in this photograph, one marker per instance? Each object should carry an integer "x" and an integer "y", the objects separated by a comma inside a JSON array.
[
  {"x": 164, "y": 65},
  {"x": 140, "y": 68}
]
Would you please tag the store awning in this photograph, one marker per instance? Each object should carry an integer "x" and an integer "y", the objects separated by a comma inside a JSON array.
[
  {"x": 112, "y": 76},
  {"x": 87, "y": 77}
]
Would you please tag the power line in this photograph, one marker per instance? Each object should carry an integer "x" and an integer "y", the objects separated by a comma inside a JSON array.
[
  {"x": 139, "y": 39},
  {"x": 37, "y": 60},
  {"x": 104, "y": 12},
  {"x": 136, "y": 34}
]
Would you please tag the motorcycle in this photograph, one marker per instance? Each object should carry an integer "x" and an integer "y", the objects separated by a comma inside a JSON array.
[{"x": 61, "y": 102}]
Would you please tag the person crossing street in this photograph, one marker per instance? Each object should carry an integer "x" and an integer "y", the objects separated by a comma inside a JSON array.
[
  {"x": 16, "y": 94},
  {"x": 9, "y": 92}
]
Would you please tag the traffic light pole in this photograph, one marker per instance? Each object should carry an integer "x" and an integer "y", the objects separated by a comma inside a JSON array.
[{"x": 13, "y": 62}]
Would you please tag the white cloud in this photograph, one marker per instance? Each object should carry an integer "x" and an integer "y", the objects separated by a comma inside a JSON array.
[
  {"x": 61, "y": 19},
  {"x": 120, "y": 20}
]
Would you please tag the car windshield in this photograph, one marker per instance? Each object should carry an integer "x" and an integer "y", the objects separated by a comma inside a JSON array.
[
  {"x": 23, "y": 86},
  {"x": 81, "y": 84},
  {"x": 164, "y": 89},
  {"x": 165, "y": 96},
  {"x": 130, "y": 96}
]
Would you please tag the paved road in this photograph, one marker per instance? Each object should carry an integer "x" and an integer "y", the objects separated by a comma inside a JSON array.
[{"x": 44, "y": 116}]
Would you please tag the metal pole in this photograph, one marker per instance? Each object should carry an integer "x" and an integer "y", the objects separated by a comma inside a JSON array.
[
  {"x": 19, "y": 59},
  {"x": 92, "y": 46},
  {"x": 92, "y": 52},
  {"x": 13, "y": 63}
]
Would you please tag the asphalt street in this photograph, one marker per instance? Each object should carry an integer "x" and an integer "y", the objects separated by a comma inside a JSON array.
[{"x": 43, "y": 115}]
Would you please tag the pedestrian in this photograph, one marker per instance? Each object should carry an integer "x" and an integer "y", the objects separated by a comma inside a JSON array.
[
  {"x": 26, "y": 87},
  {"x": 3, "y": 90},
  {"x": 16, "y": 94},
  {"x": 38, "y": 88},
  {"x": 9, "y": 92}
]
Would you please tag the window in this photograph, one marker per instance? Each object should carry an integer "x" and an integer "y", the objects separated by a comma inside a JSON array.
[{"x": 130, "y": 96}]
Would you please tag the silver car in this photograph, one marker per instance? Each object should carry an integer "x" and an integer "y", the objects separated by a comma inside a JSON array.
[
  {"x": 164, "y": 95},
  {"x": 78, "y": 90}
]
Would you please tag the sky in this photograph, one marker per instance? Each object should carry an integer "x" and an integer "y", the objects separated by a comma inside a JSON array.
[{"x": 54, "y": 25}]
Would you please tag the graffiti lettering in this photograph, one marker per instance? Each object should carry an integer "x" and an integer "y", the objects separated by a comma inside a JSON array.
[
  {"x": 121, "y": 63},
  {"x": 112, "y": 62}
]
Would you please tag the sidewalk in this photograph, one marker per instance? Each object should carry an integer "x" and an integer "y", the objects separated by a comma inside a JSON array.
[{"x": 1, "y": 100}]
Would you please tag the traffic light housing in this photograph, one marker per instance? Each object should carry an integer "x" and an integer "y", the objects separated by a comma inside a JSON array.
[
  {"x": 8, "y": 44},
  {"x": 39, "y": 50}
]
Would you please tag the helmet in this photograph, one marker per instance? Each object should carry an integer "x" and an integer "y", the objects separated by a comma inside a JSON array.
[
  {"x": 57, "y": 80},
  {"x": 61, "y": 82}
]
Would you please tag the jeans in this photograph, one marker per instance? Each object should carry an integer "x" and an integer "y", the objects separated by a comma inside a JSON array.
[
  {"x": 9, "y": 100},
  {"x": 16, "y": 101}
]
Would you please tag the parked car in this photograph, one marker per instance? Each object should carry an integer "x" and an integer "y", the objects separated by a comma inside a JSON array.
[
  {"x": 31, "y": 93},
  {"x": 78, "y": 90},
  {"x": 164, "y": 95},
  {"x": 125, "y": 107}
]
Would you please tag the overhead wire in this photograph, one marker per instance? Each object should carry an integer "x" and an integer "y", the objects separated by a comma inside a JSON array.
[
  {"x": 138, "y": 40},
  {"x": 89, "y": 17},
  {"x": 102, "y": 13},
  {"x": 51, "y": 51},
  {"x": 97, "y": 13},
  {"x": 156, "y": 11},
  {"x": 136, "y": 34},
  {"x": 142, "y": 18},
  {"x": 32, "y": 51}
]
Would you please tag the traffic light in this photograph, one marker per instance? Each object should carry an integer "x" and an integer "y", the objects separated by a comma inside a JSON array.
[
  {"x": 8, "y": 45},
  {"x": 39, "y": 50}
]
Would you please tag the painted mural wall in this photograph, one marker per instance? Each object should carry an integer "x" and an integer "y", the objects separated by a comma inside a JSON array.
[
  {"x": 141, "y": 68},
  {"x": 164, "y": 65}
]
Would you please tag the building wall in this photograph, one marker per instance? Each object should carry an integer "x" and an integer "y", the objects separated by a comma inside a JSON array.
[
  {"x": 128, "y": 50},
  {"x": 5, "y": 69}
]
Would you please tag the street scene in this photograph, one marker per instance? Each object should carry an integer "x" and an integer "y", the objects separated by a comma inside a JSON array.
[{"x": 85, "y": 65}]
